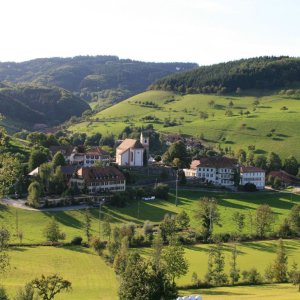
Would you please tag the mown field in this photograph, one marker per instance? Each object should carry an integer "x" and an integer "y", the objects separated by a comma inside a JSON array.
[
  {"x": 238, "y": 131},
  {"x": 92, "y": 279},
  {"x": 32, "y": 223}
]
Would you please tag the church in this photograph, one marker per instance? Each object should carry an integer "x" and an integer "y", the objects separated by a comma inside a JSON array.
[{"x": 131, "y": 152}]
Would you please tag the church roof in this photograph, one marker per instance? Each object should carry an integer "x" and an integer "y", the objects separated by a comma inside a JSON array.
[{"x": 130, "y": 144}]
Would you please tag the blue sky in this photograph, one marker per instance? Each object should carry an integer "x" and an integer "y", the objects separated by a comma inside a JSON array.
[{"x": 202, "y": 31}]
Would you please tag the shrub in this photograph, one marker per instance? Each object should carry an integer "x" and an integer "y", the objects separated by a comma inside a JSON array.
[
  {"x": 77, "y": 240},
  {"x": 249, "y": 187},
  {"x": 252, "y": 276}
]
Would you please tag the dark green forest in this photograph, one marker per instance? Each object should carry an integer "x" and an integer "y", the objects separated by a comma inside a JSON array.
[
  {"x": 234, "y": 76},
  {"x": 91, "y": 77},
  {"x": 30, "y": 104}
]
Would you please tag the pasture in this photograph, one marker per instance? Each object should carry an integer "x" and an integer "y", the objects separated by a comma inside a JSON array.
[{"x": 267, "y": 126}]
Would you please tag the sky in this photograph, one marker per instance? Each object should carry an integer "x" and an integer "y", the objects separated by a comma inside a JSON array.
[{"x": 201, "y": 31}]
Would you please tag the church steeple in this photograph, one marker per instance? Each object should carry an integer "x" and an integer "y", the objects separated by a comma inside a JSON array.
[{"x": 145, "y": 142}]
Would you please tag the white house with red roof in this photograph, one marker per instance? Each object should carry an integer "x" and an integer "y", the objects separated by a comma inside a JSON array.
[
  {"x": 216, "y": 170},
  {"x": 254, "y": 175},
  {"x": 94, "y": 155}
]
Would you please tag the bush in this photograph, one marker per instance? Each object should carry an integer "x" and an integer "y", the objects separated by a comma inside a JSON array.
[
  {"x": 161, "y": 191},
  {"x": 77, "y": 240},
  {"x": 252, "y": 276},
  {"x": 249, "y": 187}
]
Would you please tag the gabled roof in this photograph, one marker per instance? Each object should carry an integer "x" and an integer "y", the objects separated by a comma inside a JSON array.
[
  {"x": 100, "y": 173},
  {"x": 194, "y": 164},
  {"x": 249, "y": 169},
  {"x": 130, "y": 144},
  {"x": 68, "y": 170},
  {"x": 217, "y": 162},
  {"x": 96, "y": 151},
  {"x": 65, "y": 150}
]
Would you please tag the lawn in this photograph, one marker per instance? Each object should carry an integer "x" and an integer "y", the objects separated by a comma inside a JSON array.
[
  {"x": 92, "y": 279},
  {"x": 32, "y": 223},
  {"x": 238, "y": 131},
  {"x": 271, "y": 291}
]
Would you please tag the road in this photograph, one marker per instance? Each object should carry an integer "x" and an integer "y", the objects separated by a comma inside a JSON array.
[{"x": 20, "y": 203}]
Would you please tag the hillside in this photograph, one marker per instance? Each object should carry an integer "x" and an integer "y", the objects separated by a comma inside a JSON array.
[
  {"x": 91, "y": 77},
  {"x": 253, "y": 73},
  {"x": 269, "y": 121},
  {"x": 29, "y": 104}
]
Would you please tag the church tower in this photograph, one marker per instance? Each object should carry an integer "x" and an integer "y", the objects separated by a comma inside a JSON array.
[{"x": 144, "y": 139}]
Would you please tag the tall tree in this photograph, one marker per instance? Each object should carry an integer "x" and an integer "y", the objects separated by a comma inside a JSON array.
[
  {"x": 52, "y": 231},
  {"x": 37, "y": 157},
  {"x": 34, "y": 193},
  {"x": 239, "y": 220},
  {"x": 176, "y": 264},
  {"x": 178, "y": 151},
  {"x": 260, "y": 161},
  {"x": 10, "y": 170},
  {"x": 4, "y": 258},
  {"x": 58, "y": 160},
  {"x": 264, "y": 218},
  {"x": 49, "y": 286},
  {"x": 216, "y": 264},
  {"x": 207, "y": 213},
  {"x": 291, "y": 165},
  {"x": 294, "y": 218},
  {"x": 87, "y": 224},
  {"x": 274, "y": 162},
  {"x": 234, "y": 270},
  {"x": 281, "y": 263}
]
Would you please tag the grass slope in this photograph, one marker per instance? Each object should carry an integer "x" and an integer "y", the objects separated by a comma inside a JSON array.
[
  {"x": 235, "y": 132},
  {"x": 91, "y": 278},
  {"x": 32, "y": 223}
]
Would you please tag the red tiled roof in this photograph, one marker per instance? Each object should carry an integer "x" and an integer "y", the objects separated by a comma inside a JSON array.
[
  {"x": 96, "y": 151},
  {"x": 100, "y": 173},
  {"x": 285, "y": 177},
  {"x": 217, "y": 162},
  {"x": 249, "y": 169}
]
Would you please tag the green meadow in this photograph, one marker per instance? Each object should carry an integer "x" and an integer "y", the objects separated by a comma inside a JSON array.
[
  {"x": 32, "y": 223},
  {"x": 237, "y": 131},
  {"x": 93, "y": 279}
]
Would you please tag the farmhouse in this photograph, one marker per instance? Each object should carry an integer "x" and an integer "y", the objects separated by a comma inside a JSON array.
[
  {"x": 131, "y": 152},
  {"x": 215, "y": 170},
  {"x": 253, "y": 175},
  {"x": 99, "y": 179}
]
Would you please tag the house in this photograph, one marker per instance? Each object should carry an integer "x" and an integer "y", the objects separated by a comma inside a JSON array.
[
  {"x": 254, "y": 175},
  {"x": 99, "y": 179},
  {"x": 94, "y": 155},
  {"x": 65, "y": 150},
  {"x": 285, "y": 178},
  {"x": 131, "y": 152},
  {"x": 216, "y": 170}
]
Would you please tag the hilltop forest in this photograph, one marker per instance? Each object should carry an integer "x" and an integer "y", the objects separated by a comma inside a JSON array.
[{"x": 254, "y": 73}]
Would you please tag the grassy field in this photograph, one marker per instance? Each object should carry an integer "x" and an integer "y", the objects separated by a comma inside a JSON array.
[
  {"x": 235, "y": 132},
  {"x": 32, "y": 223},
  {"x": 92, "y": 279},
  {"x": 271, "y": 291}
]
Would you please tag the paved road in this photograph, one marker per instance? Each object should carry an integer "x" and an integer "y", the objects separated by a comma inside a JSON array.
[{"x": 21, "y": 204}]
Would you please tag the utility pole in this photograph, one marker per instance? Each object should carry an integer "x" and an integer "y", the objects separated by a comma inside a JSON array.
[{"x": 176, "y": 184}]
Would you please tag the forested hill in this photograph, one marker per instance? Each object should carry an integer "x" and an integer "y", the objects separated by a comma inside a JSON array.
[
  {"x": 31, "y": 104},
  {"x": 91, "y": 76},
  {"x": 253, "y": 73}
]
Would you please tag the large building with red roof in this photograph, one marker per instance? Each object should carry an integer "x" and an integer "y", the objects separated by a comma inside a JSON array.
[
  {"x": 216, "y": 170},
  {"x": 99, "y": 179}
]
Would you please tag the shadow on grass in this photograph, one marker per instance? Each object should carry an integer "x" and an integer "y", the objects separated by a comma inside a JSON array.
[
  {"x": 79, "y": 249},
  {"x": 64, "y": 218},
  {"x": 211, "y": 292}
]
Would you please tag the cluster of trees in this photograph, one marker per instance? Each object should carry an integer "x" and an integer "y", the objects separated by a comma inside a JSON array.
[
  {"x": 49, "y": 180},
  {"x": 30, "y": 104},
  {"x": 277, "y": 271},
  {"x": 253, "y": 73},
  {"x": 272, "y": 162}
]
